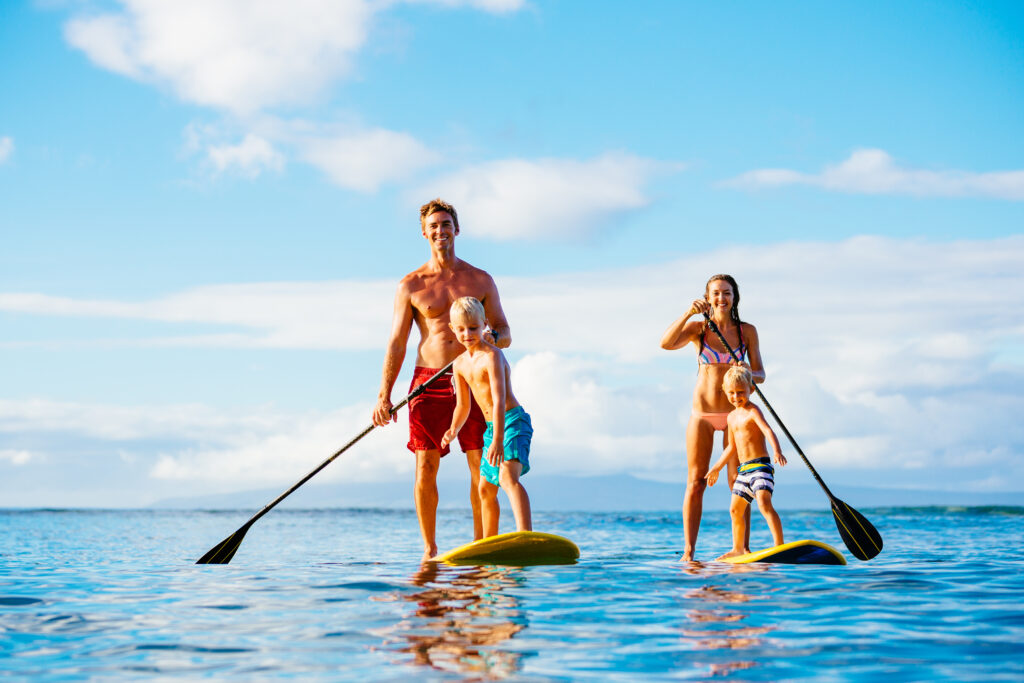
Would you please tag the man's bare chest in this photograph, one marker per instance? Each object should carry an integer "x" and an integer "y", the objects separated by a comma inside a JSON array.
[{"x": 434, "y": 301}]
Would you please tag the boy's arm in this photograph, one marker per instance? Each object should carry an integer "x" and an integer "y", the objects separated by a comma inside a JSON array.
[
  {"x": 496, "y": 372},
  {"x": 770, "y": 435},
  {"x": 461, "y": 412},
  {"x": 730, "y": 452}
]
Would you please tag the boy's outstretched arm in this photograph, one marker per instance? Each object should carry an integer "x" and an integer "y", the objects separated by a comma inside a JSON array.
[
  {"x": 461, "y": 409},
  {"x": 730, "y": 452},
  {"x": 770, "y": 435}
]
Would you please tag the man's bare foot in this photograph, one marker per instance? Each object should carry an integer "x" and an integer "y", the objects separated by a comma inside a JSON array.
[
  {"x": 732, "y": 553},
  {"x": 429, "y": 553},
  {"x": 687, "y": 556}
]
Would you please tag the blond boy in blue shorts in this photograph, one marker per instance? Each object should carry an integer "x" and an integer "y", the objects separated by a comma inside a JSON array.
[{"x": 483, "y": 371}]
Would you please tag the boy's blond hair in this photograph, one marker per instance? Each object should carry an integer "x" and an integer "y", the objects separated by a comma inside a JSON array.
[
  {"x": 467, "y": 308},
  {"x": 736, "y": 374}
]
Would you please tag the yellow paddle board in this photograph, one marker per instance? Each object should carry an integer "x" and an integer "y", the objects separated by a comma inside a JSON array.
[
  {"x": 518, "y": 548},
  {"x": 797, "y": 552}
]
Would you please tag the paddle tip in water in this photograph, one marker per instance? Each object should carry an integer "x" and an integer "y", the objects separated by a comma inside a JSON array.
[
  {"x": 225, "y": 550},
  {"x": 859, "y": 535}
]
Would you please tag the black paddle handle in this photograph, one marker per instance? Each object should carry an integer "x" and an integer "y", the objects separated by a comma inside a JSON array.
[
  {"x": 714, "y": 328},
  {"x": 415, "y": 392}
]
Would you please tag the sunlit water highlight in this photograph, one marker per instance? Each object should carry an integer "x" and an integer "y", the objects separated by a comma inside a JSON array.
[{"x": 339, "y": 595}]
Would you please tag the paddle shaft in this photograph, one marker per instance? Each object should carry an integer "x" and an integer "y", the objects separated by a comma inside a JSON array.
[
  {"x": 415, "y": 392},
  {"x": 814, "y": 473}
]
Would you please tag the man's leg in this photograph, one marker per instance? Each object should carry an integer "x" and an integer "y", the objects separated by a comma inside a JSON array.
[
  {"x": 425, "y": 493},
  {"x": 473, "y": 460}
]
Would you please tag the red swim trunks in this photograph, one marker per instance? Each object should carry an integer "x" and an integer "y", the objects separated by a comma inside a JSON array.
[{"x": 430, "y": 415}]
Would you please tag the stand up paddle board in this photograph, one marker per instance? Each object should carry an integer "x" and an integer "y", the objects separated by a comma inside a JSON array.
[
  {"x": 797, "y": 552},
  {"x": 518, "y": 548}
]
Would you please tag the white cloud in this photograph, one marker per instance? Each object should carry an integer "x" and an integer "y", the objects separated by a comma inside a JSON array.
[
  {"x": 16, "y": 458},
  {"x": 548, "y": 198},
  {"x": 238, "y": 55},
  {"x": 366, "y": 160},
  {"x": 874, "y": 171},
  {"x": 6, "y": 148},
  {"x": 881, "y": 357},
  {"x": 250, "y": 157}
]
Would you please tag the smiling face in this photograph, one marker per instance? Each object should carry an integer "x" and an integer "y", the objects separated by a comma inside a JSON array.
[
  {"x": 721, "y": 296},
  {"x": 440, "y": 230},
  {"x": 738, "y": 393},
  {"x": 468, "y": 329}
]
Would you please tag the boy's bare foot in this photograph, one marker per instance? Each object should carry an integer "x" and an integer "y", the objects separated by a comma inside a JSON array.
[{"x": 732, "y": 553}]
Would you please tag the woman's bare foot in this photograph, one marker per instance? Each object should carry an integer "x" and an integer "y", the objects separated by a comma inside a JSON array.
[{"x": 732, "y": 553}]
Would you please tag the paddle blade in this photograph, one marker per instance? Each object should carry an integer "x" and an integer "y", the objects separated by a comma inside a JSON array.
[
  {"x": 862, "y": 539},
  {"x": 225, "y": 550}
]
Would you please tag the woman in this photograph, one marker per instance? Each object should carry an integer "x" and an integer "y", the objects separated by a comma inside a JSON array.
[{"x": 710, "y": 406}]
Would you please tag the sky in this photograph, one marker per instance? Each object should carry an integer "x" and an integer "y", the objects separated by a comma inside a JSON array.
[{"x": 206, "y": 206}]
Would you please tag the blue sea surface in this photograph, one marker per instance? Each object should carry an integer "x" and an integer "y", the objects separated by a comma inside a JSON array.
[{"x": 340, "y": 595}]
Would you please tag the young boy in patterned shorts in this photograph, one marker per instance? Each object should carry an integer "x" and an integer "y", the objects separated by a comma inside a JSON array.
[{"x": 755, "y": 476}]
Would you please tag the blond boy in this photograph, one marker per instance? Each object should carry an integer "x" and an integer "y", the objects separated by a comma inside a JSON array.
[
  {"x": 483, "y": 370},
  {"x": 747, "y": 431}
]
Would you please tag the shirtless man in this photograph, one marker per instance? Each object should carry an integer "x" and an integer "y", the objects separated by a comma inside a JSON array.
[{"x": 424, "y": 297}]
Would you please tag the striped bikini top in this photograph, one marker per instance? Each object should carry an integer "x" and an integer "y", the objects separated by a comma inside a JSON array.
[{"x": 708, "y": 356}]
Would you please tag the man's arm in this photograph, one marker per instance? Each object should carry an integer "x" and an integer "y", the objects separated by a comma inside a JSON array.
[
  {"x": 401, "y": 325},
  {"x": 500, "y": 331}
]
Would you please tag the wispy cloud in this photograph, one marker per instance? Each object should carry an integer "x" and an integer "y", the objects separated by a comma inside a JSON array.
[
  {"x": 882, "y": 357},
  {"x": 365, "y": 160},
  {"x": 567, "y": 198},
  {"x": 874, "y": 171},
  {"x": 6, "y": 148},
  {"x": 237, "y": 55},
  {"x": 250, "y": 157}
]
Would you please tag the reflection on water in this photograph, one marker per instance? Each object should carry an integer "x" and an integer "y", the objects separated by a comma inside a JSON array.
[
  {"x": 458, "y": 616},
  {"x": 715, "y": 606}
]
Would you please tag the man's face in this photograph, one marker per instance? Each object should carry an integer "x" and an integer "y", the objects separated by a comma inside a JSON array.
[{"x": 439, "y": 229}]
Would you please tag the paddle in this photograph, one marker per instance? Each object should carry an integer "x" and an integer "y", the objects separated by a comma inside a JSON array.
[
  {"x": 225, "y": 550},
  {"x": 858, "y": 534}
]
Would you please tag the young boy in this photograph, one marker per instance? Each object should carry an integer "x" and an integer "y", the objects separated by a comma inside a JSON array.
[
  {"x": 482, "y": 369},
  {"x": 747, "y": 433}
]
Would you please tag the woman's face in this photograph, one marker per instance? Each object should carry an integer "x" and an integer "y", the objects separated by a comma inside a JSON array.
[{"x": 720, "y": 296}]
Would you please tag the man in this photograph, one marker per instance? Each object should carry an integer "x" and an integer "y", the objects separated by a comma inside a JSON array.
[{"x": 424, "y": 297}]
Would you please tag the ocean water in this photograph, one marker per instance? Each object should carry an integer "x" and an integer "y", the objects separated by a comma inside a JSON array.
[{"x": 339, "y": 595}]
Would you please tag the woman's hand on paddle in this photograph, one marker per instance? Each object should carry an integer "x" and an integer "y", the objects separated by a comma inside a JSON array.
[
  {"x": 699, "y": 307},
  {"x": 382, "y": 412}
]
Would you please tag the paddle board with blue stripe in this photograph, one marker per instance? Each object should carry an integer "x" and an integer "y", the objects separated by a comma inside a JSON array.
[
  {"x": 797, "y": 552},
  {"x": 518, "y": 548}
]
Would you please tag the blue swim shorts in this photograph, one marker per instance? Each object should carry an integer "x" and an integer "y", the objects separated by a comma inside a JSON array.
[{"x": 518, "y": 434}]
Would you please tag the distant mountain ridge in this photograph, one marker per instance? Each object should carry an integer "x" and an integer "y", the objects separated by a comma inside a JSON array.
[{"x": 563, "y": 493}]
